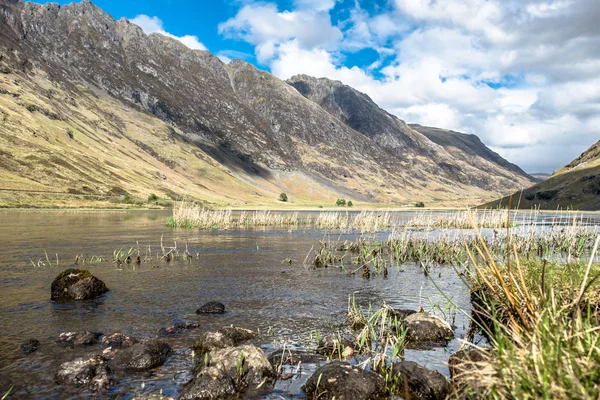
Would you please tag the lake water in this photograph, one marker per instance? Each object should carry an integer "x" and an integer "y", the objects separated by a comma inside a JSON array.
[{"x": 243, "y": 269}]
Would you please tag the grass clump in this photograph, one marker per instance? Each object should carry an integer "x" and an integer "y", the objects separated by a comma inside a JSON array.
[{"x": 461, "y": 220}]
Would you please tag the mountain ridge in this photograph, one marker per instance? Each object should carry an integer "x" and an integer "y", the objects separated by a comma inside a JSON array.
[{"x": 74, "y": 68}]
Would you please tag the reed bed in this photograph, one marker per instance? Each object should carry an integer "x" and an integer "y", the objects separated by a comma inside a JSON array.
[
  {"x": 187, "y": 215},
  {"x": 559, "y": 243},
  {"x": 462, "y": 219}
]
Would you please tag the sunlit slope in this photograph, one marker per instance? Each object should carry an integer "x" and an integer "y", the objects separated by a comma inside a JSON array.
[{"x": 576, "y": 186}]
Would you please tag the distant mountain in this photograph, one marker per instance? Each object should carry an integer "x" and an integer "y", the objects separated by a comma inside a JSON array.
[
  {"x": 576, "y": 186},
  {"x": 540, "y": 176},
  {"x": 93, "y": 105}
]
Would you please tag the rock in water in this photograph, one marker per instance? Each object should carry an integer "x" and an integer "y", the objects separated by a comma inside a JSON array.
[
  {"x": 228, "y": 372},
  {"x": 118, "y": 341},
  {"x": 78, "y": 338},
  {"x": 419, "y": 382},
  {"x": 229, "y": 336},
  {"x": 425, "y": 329},
  {"x": 91, "y": 373},
  {"x": 77, "y": 284},
  {"x": 212, "y": 307},
  {"x": 30, "y": 346},
  {"x": 143, "y": 356},
  {"x": 344, "y": 381}
]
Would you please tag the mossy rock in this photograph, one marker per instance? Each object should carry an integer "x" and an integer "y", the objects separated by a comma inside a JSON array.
[{"x": 77, "y": 284}]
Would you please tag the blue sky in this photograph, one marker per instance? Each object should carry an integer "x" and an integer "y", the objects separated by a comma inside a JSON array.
[{"x": 523, "y": 75}]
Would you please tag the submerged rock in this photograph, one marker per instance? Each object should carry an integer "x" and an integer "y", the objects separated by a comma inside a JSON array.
[
  {"x": 425, "y": 329},
  {"x": 178, "y": 327},
  {"x": 83, "y": 338},
  {"x": 225, "y": 337},
  {"x": 212, "y": 307},
  {"x": 419, "y": 382},
  {"x": 228, "y": 372},
  {"x": 92, "y": 373},
  {"x": 293, "y": 357},
  {"x": 334, "y": 343},
  {"x": 143, "y": 356},
  {"x": 30, "y": 346},
  {"x": 344, "y": 381},
  {"x": 118, "y": 341},
  {"x": 77, "y": 284}
]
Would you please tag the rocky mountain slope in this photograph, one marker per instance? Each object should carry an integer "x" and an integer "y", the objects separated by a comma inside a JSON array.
[
  {"x": 92, "y": 105},
  {"x": 576, "y": 186}
]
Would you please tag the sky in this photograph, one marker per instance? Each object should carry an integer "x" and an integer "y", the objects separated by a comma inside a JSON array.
[{"x": 523, "y": 75}]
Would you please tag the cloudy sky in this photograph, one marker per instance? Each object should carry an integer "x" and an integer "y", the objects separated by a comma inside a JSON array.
[{"x": 523, "y": 75}]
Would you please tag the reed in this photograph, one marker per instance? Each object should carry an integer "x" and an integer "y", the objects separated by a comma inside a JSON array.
[{"x": 496, "y": 218}]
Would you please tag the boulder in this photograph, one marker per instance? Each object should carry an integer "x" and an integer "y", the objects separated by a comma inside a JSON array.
[
  {"x": 76, "y": 284},
  {"x": 344, "y": 381},
  {"x": 212, "y": 307},
  {"x": 418, "y": 382},
  {"x": 30, "y": 346},
  {"x": 225, "y": 337},
  {"x": 425, "y": 329},
  {"x": 92, "y": 373},
  {"x": 118, "y": 341},
  {"x": 143, "y": 356},
  {"x": 83, "y": 338},
  {"x": 178, "y": 327},
  {"x": 229, "y": 371}
]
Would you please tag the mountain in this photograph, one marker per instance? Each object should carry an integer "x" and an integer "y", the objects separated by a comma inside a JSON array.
[
  {"x": 91, "y": 105},
  {"x": 576, "y": 186}
]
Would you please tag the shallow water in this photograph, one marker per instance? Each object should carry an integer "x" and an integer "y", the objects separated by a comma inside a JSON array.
[{"x": 244, "y": 269}]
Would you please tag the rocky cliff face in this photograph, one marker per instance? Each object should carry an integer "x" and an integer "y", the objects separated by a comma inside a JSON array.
[
  {"x": 165, "y": 107},
  {"x": 455, "y": 156}
]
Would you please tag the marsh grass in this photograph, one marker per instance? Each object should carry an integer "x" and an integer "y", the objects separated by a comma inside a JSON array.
[
  {"x": 188, "y": 215},
  {"x": 542, "y": 322},
  {"x": 494, "y": 218}
]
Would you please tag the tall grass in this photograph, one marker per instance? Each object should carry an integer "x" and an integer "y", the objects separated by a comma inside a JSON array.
[
  {"x": 542, "y": 321},
  {"x": 187, "y": 215},
  {"x": 495, "y": 218}
]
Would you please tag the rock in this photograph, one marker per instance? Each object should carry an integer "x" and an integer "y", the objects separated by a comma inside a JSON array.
[
  {"x": 425, "y": 329},
  {"x": 332, "y": 343},
  {"x": 83, "y": 338},
  {"x": 91, "y": 373},
  {"x": 77, "y": 284},
  {"x": 293, "y": 357},
  {"x": 419, "y": 382},
  {"x": 178, "y": 327},
  {"x": 143, "y": 356},
  {"x": 401, "y": 313},
  {"x": 471, "y": 370},
  {"x": 344, "y": 381},
  {"x": 30, "y": 346},
  {"x": 238, "y": 335},
  {"x": 229, "y": 371},
  {"x": 118, "y": 341},
  {"x": 225, "y": 337},
  {"x": 208, "y": 387},
  {"x": 152, "y": 397},
  {"x": 212, "y": 307},
  {"x": 210, "y": 341}
]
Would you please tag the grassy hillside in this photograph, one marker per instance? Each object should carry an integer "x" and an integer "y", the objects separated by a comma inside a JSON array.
[{"x": 576, "y": 186}]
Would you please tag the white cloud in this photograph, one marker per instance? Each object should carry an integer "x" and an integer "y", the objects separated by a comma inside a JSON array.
[
  {"x": 155, "y": 25},
  {"x": 521, "y": 74}
]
